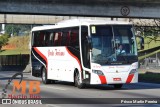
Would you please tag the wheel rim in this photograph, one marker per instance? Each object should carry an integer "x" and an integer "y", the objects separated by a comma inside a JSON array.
[
  {"x": 78, "y": 79},
  {"x": 43, "y": 76}
]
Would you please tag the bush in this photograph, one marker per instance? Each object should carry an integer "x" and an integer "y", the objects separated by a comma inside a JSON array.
[
  {"x": 21, "y": 42},
  {"x": 3, "y": 40}
]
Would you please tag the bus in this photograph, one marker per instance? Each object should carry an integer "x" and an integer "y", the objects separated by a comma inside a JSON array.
[{"x": 85, "y": 51}]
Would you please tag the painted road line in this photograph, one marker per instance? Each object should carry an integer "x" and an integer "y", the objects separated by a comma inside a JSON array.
[
  {"x": 52, "y": 105},
  {"x": 56, "y": 88}
]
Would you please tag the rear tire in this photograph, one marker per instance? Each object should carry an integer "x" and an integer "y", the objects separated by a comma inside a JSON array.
[
  {"x": 77, "y": 81},
  {"x": 44, "y": 77},
  {"x": 118, "y": 86}
]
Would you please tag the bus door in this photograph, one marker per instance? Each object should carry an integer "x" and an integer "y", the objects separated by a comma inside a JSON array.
[{"x": 85, "y": 49}]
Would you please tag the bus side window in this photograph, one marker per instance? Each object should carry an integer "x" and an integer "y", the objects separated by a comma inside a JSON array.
[
  {"x": 35, "y": 39},
  {"x": 56, "y": 39},
  {"x": 64, "y": 39},
  {"x": 46, "y": 39},
  {"x": 59, "y": 38},
  {"x": 74, "y": 40},
  {"x": 51, "y": 38},
  {"x": 41, "y": 39},
  {"x": 68, "y": 38}
]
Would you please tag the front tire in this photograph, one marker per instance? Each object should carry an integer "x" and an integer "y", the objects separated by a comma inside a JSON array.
[
  {"x": 44, "y": 77},
  {"x": 78, "y": 82}
]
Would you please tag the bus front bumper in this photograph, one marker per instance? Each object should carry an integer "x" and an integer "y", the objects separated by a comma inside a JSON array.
[{"x": 114, "y": 78}]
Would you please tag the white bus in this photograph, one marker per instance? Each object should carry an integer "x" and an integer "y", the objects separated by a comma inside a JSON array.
[{"x": 85, "y": 51}]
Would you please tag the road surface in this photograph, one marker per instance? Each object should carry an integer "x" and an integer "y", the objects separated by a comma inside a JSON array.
[{"x": 67, "y": 90}]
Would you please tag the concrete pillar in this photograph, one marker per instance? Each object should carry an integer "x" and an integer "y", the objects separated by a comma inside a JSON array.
[{"x": 3, "y": 27}]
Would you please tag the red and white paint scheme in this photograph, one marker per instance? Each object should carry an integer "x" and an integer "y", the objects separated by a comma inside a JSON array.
[
  {"x": 85, "y": 51},
  {"x": 115, "y": 74},
  {"x": 60, "y": 63}
]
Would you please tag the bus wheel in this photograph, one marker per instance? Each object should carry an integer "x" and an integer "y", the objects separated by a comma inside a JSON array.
[
  {"x": 118, "y": 86},
  {"x": 77, "y": 81},
  {"x": 44, "y": 76}
]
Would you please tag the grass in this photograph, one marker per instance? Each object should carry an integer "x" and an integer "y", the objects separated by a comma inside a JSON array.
[
  {"x": 149, "y": 77},
  {"x": 21, "y": 43},
  {"x": 14, "y": 52}
]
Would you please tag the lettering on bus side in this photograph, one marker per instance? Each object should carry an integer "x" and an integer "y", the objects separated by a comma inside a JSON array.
[{"x": 55, "y": 53}]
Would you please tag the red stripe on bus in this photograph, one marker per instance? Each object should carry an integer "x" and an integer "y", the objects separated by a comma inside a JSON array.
[
  {"x": 103, "y": 79},
  {"x": 129, "y": 79},
  {"x": 74, "y": 58},
  {"x": 43, "y": 56}
]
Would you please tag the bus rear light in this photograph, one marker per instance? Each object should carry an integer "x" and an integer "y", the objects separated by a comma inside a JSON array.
[{"x": 133, "y": 71}]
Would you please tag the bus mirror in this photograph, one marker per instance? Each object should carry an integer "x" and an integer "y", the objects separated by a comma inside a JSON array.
[
  {"x": 141, "y": 43},
  {"x": 132, "y": 40}
]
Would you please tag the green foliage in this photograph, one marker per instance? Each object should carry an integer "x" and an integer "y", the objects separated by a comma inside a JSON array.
[
  {"x": 3, "y": 40},
  {"x": 21, "y": 42},
  {"x": 148, "y": 31},
  {"x": 151, "y": 35},
  {"x": 15, "y": 52},
  {"x": 16, "y": 29}
]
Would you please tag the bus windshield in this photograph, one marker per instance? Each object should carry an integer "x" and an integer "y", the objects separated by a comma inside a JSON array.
[{"x": 113, "y": 44}]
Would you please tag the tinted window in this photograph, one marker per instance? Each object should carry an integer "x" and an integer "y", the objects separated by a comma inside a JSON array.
[
  {"x": 64, "y": 39},
  {"x": 51, "y": 39},
  {"x": 85, "y": 48},
  {"x": 57, "y": 37}
]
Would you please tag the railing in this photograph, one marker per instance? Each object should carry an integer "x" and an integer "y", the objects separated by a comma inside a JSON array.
[
  {"x": 20, "y": 60},
  {"x": 13, "y": 62},
  {"x": 148, "y": 52}
]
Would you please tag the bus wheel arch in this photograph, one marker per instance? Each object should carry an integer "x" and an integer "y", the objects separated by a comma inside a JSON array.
[
  {"x": 77, "y": 81},
  {"x": 44, "y": 75},
  {"x": 75, "y": 71},
  {"x": 41, "y": 71},
  {"x": 45, "y": 80}
]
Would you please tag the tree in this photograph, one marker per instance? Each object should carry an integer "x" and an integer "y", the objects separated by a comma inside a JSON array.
[
  {"x": 12, "y": 29},
  {"x": 3, "y": 40},
  {"x": 15, "y": 29}
]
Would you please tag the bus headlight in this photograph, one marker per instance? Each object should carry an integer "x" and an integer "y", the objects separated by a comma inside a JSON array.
[
  {"x": 133, "y": 71},
  {"x": 97, "y": 72}
]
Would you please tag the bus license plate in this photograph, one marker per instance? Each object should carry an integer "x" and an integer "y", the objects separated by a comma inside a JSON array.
[{"x": 116, "y": 79}]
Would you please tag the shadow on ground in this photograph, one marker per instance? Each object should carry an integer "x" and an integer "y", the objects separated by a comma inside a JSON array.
[{"x": 151, "y": 77}]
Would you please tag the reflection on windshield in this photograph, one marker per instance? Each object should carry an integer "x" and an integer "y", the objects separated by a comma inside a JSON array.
[{"x": 112, "y": 44}]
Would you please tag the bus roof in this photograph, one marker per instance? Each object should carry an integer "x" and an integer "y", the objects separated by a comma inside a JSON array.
[{"x": 78, "y": 22}]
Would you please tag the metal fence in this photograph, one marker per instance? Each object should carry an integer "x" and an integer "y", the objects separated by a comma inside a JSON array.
[
  {"x": 20, "y": 60},
  {"x": 152, "y": 62}
]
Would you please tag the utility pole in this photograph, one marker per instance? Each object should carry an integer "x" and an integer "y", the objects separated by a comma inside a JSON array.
[{"x": 3, "y": 25}]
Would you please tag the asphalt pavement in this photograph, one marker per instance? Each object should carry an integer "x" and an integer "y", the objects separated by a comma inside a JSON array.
[{"x": 67, "y": 90}]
